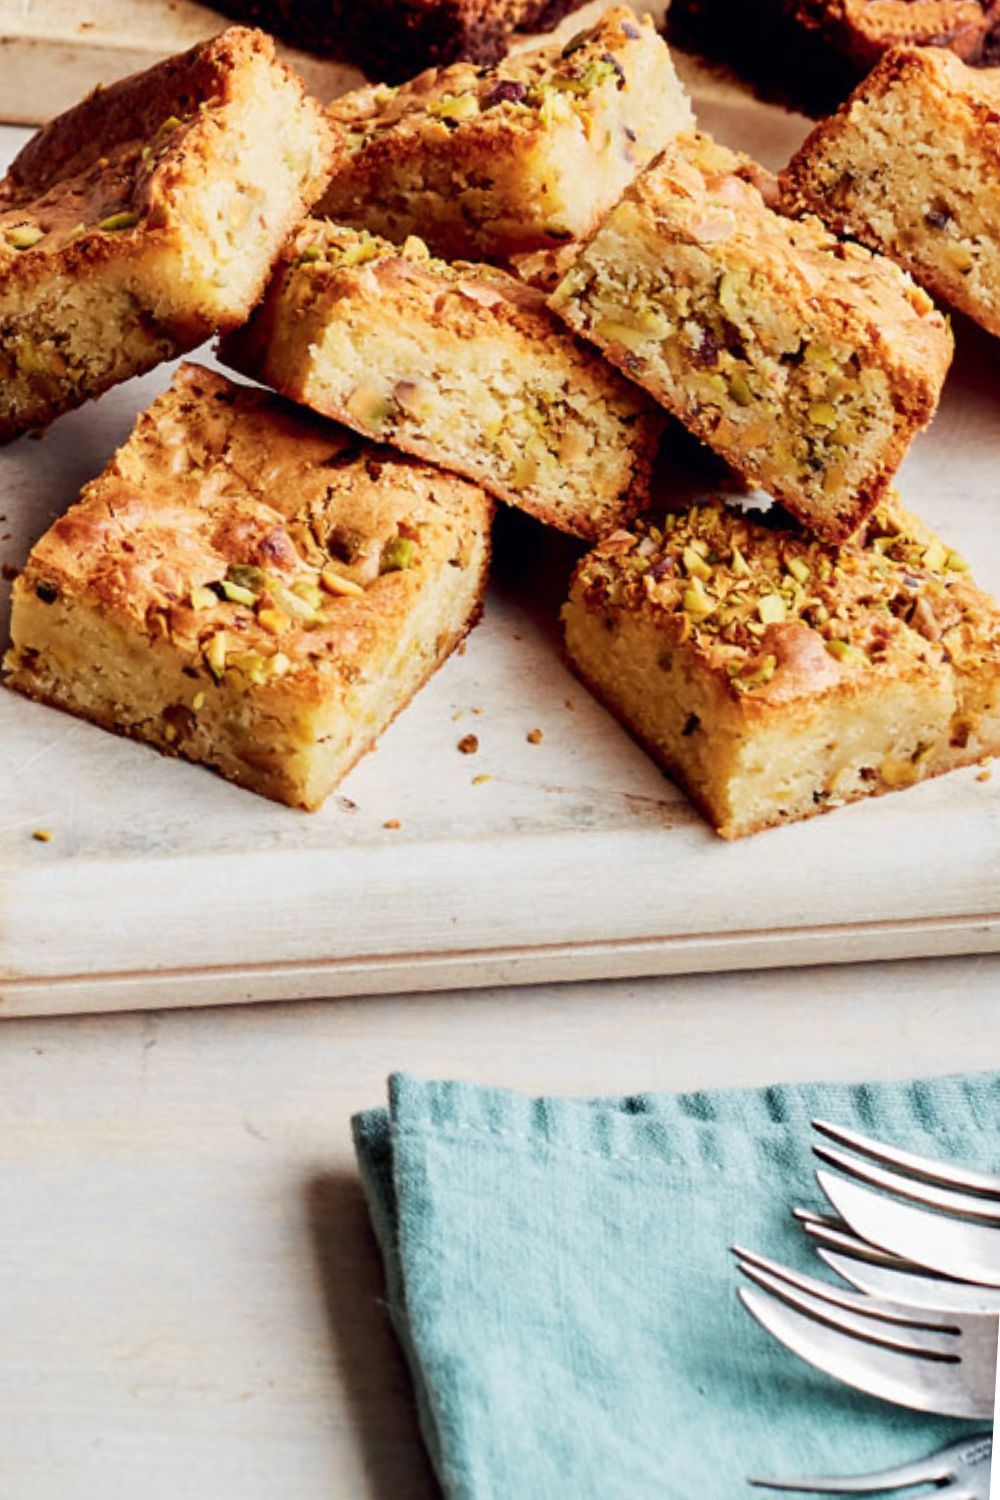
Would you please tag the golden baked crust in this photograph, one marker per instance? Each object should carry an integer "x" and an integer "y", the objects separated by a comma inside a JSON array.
[
  {"x": 251, "y": 587},
  {"x": 910, "y": 165},
  {"x": 777, "y": 676},
  {"x": 487, "y": 163},
  {"x": 138, "y": 222},
  {"x": 808, "y": 364},
  {"x": 460, "y": 364}
]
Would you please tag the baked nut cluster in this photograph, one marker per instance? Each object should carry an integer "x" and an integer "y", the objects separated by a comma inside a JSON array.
[{"x": 496, "y": 283}]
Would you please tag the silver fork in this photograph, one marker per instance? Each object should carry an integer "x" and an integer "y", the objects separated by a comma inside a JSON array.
[
  {"x": 942, "y": 1362},
  {"x": 960, "y": 1237},
  {"x": 875, "y": 1271},
  {"x": 961, "y": 1471}
]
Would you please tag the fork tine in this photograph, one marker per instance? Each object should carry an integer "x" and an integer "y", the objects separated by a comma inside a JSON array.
[
  {"x": 944, "y": 1174},
  {"x": 969, "y": 1252},
  {"x": 882, "y": 1310},
  {"x": 903, "y": 1379},
  {"x": 832, "y": 1232},
  {"x": 922, "y": 1335},
  {"x": 963, "y": 1205},
  {"x": 911, "y": 1286}
]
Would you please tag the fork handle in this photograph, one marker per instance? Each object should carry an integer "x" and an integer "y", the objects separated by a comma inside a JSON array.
[{"x": 930, "y": 1471}]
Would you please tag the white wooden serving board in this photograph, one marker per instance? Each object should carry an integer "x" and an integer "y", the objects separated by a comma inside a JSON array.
[{"x": 163, "y": 885}]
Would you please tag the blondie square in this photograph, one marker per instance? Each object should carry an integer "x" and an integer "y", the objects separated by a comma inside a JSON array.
[
  {"x": 147, "y": 216},
  {"x": 250, "y": 587},
  {"x": 460, "y": 364},
  {"x": 910, "y": 166},
  {"x": 775, "y": 676},
  {"x": 488, "y": 163},
  {"x": 808, "y": 364}
]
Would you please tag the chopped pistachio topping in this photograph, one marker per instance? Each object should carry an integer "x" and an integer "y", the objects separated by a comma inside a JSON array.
[
  {"x": 115, "y": 222},
  {"x": 455, "y": 107},
  {"x": 203, "y": 598},
  {"x": 732, "y": 583},
  {"x": 291, "y": 602},
  {"x": 252, "y": 579},
  {"x": 215, "y": 654},
  {"x": 235, "y": 593},
  {"x": 23, "y": 236}
]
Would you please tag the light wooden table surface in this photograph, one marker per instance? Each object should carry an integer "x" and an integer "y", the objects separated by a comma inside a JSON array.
[{"x": 189, "y": 1288}]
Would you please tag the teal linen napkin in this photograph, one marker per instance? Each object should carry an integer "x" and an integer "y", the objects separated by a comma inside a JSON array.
[{"x": 559, "y": 1275}]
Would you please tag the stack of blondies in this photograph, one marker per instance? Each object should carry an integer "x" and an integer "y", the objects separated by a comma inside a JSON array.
[{"x": 506, "y": 284}]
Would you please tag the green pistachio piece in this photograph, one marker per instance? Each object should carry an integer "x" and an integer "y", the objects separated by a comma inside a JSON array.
[
  {"x": 771, "y": 609},
  {"x": 115, "y": 222},
  {"x": 823, "y": 414},
  {"x": 23, "y": 236},
  {"x": 843, "y": 651},
  {"x": 215, "y": 654},
  {"x": 203, "y": 598},
  {"x": 739, "y": 389},
  {"x": 247, "y": 577},
  {"x": 396, "y": 555},
  {"x": 235, "y": 593}
]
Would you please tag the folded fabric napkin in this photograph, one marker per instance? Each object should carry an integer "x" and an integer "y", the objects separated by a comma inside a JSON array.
[{"x": 559, "y": 1275}]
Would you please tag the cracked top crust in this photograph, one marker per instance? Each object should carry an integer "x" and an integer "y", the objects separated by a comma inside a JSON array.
[{"x": 230, "y": 512}]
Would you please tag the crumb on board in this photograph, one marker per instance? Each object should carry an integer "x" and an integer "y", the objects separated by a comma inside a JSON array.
[
  {"x": 392, "y": 823},
  {"x": 534, "y": 736},
  {"x": 571, "y": 705},
  {"x": 469, "y": 744},
  {"x": 985, "y": 774},
  {"x": 481, "y": 780},
  {"x": 42, "y": 835}
]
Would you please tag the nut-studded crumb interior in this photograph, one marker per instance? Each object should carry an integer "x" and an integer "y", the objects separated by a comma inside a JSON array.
[
  {"x": 250, "y": 587},
  {"x": 911, "y": 167},
  {"x": 776, "y": 676},
  {"x": 461, "y": 364},
  {"x": 806, "y": 363},
  {"x": 486, "y": 163}
]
